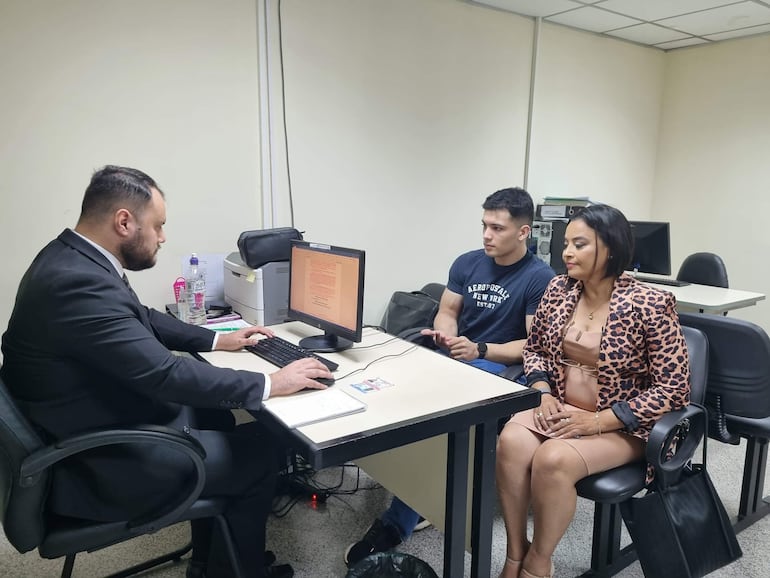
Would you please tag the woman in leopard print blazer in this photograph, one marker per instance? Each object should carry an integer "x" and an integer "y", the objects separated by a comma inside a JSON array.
[{"x": 610, "y": 358}]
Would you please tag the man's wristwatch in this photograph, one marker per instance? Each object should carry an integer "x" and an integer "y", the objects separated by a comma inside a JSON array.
[{"x": 482, "y": 347}]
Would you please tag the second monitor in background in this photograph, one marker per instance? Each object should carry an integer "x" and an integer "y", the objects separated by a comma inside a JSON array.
[
  {"x": 326, "y": 290},
  {"x": 652, "y": 249}
]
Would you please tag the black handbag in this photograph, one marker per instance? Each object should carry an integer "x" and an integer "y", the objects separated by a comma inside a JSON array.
[
  {"x": 409, "y": 310},
  {"x": 680, "y": 528},
  {"x": 266, "y": 245}
]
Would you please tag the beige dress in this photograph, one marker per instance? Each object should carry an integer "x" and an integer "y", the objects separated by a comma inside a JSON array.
[{"x": 599, "y": 453}]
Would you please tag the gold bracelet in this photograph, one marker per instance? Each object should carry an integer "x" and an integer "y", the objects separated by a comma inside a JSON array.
[{"x": 598, "y": 423}]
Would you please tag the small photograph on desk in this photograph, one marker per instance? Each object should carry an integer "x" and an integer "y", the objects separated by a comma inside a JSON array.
[{"x": 372, "y": 384}]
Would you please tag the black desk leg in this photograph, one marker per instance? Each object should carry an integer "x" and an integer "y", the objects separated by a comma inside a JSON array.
[
  {"x": 456, "y": 500},
  {"x": 483, "y": 499}
]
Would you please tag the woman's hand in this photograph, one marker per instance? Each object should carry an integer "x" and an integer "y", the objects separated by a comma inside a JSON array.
[
  {"x": 573, "y": 424},
  {"x": 549, "y": 406}
]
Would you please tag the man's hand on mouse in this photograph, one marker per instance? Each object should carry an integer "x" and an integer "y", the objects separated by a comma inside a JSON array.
[{"x": 298, "y": 375}]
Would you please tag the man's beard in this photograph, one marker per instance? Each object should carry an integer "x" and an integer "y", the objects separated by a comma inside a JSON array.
[{"x": 135, "y": 256}]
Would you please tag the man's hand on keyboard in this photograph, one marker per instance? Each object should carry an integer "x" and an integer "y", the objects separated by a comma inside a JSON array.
[
  {"x": 298, "y": 375},
  {"x": 235, "y": 340}
]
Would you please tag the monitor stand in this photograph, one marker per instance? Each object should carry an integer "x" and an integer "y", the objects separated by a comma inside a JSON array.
[{"x": 326, "y": 343}]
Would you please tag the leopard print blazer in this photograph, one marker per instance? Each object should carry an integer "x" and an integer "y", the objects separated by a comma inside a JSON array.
[{"x": 643, "y": 357}]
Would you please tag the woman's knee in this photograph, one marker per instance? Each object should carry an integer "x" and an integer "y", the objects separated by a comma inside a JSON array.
[
  {"x": 556, "y": 458},
  {"x": 516, "y": 442}
]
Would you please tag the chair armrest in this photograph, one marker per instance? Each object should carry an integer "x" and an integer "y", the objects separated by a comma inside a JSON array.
[
  {"x": 673, "y": 441},
  {"x": 36, "y": 463}
]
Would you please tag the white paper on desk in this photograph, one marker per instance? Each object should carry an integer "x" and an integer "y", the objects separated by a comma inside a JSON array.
[
  {"x": 311, "y": 407},
  {"x": 230, "y": 325}
]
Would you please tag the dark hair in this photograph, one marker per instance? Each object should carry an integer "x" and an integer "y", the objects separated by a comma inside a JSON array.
[
  {"x": 614, "y": 230},
  {"x": 516, "y": 200},
  {"x": 114, "y": 187}
]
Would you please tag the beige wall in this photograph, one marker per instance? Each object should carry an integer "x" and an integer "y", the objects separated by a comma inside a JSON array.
[
  {"x": 401, "y": 116},
  {"x": 712, "y": 171},
  {"x": 168, "y": 87},
  {"x": 595, "y": 119}
]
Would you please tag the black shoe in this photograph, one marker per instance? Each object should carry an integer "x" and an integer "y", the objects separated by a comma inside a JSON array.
[
  {"x": 279, "y": 571},
  {"x": 380, "y": 537}
]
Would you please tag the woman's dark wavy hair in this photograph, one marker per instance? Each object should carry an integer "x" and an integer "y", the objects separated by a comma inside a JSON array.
[{"x": 614, "y": 230}]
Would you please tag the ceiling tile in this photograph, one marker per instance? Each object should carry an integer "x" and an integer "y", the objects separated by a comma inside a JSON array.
[
  {"x": 648, "y": 34},
  {"x": 657, "y": 9},
  {"x": 740, "y": 15},
  {"x": 681, "y": 43},
  {"x": 589, "y": 18},
  {"x": 531, "y": 7},
  {"x": 742, "y": 32}
]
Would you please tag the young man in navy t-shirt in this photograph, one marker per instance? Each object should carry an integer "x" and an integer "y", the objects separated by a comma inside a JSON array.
[{"x": 483, "y": 319}]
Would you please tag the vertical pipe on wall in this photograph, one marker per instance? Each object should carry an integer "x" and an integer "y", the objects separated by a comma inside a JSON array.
[
  {"x": 531, "y": 104},
  {"x": 265, "y": 115}
]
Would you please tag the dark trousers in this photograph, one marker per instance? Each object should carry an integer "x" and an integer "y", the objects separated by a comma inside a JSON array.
[{"x": 240, "y": 465}]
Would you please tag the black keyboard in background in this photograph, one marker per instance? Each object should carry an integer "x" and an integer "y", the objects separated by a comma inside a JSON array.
[
  {"x": 661, "y": 281},
  {"x": 281, "y": 352}
]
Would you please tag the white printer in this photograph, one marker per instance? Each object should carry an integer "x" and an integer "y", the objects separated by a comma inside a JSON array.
[{"x": 260, "y": 296}]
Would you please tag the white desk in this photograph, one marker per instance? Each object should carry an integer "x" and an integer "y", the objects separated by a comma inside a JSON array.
[
  {"x": 432, "y": 395},
  {"x": 710, "y": 299}
]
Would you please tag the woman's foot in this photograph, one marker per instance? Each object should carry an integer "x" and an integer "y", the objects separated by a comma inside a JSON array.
[
  {"x": 511, "y": 568},
  {"x": 527, "y": 574}
]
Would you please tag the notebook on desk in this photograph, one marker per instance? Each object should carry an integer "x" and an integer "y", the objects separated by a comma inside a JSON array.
[{"x": 314, "y": 406}]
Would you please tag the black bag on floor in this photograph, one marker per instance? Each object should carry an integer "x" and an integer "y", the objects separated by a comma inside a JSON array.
[
  {"x": 391, "y": 565},
  {"x": 409, "y": 310},
  {"x": 681, "y": 530}
]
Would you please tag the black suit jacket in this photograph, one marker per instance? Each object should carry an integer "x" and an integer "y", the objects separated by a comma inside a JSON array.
[{"x": 81, "y": 352}]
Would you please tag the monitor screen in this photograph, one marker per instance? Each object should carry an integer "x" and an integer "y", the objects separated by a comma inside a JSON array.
[
  {"x": 326, "y": 290},
  {"x": 652, "y": 251}
]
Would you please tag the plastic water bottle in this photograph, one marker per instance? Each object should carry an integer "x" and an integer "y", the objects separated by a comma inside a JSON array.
[{"x": 196, "y": 293}]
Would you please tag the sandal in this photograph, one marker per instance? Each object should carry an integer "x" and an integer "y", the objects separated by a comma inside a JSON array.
[
  {"x": 514, "y": 564},
  {"x": 527, "y": 574}
]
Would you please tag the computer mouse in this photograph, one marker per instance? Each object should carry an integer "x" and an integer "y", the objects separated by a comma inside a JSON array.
[{"x": 324, "y": 380}]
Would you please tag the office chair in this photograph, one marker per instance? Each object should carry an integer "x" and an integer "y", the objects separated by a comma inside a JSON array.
[
  {"x": 703, "y": 269},
  {"x": 738, "y": 401},
  {"x": 608, "y": 489},
  {"x": 26, "y": 465}
]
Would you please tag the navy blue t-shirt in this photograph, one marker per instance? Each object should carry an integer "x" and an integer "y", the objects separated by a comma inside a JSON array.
[{"x": 497, "y": 298}]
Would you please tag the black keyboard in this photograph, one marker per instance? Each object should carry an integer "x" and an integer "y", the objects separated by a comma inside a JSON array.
[
  {"x": 281, "y": 352},
  {"x": 662, "y": 281}
]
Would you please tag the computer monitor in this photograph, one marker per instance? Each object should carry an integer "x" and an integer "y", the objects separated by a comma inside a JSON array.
[
  {"x": 652, "y": 248},
  {"x": 326, "y": 290}
]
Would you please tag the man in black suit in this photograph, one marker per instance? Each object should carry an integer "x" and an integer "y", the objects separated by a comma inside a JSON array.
[{"x": 81, "y": 352}]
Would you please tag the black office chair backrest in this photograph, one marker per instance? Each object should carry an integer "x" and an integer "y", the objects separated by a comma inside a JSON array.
[
  {"x": 435, "y": 290},
  {"x": 698, "y": 350},
  {"x": 21, "y": 508},
  {"x": 703, "y": 269},
  {"x": 739, "y": 363}
]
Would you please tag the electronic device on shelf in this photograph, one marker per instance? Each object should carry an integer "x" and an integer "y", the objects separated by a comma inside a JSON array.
[
  {"x": 652, "y": 248},
  {"x": 326, "y": 291}
]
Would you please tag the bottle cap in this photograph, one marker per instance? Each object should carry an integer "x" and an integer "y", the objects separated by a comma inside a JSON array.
[{"x": 194, "y": 259}]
